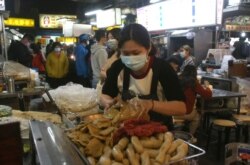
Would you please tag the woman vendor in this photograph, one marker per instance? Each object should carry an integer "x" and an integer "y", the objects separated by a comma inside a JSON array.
[{"x": 139, "y": 73}]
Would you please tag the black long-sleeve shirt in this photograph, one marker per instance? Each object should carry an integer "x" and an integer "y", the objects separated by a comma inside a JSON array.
[{"x": 20, "y": 53}]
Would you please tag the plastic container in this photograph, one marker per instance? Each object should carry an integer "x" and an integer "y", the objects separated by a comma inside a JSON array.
[
  {"x": 11, "y": 85},
  {"x": 5, "y": 111}
]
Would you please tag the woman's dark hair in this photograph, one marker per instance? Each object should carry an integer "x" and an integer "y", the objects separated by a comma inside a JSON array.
[
  {"x": 139, "y": 34},
  {"x": 115, "y": 33},
  {"x": 188, "y": 77},
  {"x": 55, "y": 44},
  {"x": 29, "y": 37},
  {"x": 135, "y": 32},
  {"x": 173, "y": 59},
  {"x": 153, "y": 50}
]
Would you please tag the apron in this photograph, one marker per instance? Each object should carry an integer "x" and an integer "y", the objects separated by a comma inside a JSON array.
[{"x": 127, "y": 95}]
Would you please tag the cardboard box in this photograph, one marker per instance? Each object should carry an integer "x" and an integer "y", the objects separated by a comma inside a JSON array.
[{"x": 237, "y": 69}]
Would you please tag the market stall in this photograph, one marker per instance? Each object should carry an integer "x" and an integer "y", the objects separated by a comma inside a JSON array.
[{"x": 123, "y": 135}]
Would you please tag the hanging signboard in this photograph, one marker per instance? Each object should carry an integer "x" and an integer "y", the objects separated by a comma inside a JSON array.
[
  {"x": 113, "y": 15},
  {"x": 2, "y": 4},
  {"x": 52, "y": 21},
  {"x": 174, "y": 14},
  {"x": 20, "y": 22},
  {"x": 239, "y": 23}
]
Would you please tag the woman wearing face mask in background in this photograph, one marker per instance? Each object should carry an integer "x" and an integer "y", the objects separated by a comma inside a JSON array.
[
  {"x": 186, "y": 55},
  {"x": 152, "y": 79},
  {"x": 112, "y": 49},
  {"x": 56, "y": 66}
]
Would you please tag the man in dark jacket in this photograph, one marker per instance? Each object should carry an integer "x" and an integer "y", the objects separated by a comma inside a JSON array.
[
  {"x": 19, "y": 51},
  {"x": 242, "y": 49}
]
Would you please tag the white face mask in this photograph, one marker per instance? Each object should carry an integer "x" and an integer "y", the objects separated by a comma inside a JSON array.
[
  {"x": 182, "y": 54},
  {"x": 134, "y": 62},
  {"x": 57, "y": 49}
]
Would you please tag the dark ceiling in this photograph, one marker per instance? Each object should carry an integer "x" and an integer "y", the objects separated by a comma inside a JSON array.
[{"x": 32, "y": 8}]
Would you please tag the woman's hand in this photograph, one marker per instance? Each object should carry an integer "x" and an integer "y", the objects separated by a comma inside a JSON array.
[
  {"x": 107, "y": 101},
  {"x": 143, "y": 105}
]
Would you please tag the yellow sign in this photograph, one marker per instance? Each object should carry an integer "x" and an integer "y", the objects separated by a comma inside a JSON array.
[
  {"x": 50, "y": 21},
  {"x": 112, "y": 27},
  {"x": 66, "y": 39},
  {"x": 20, "y": 22}
]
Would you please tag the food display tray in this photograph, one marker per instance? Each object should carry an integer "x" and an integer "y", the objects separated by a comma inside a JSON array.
[
  {"x": 194, "y": 153},
  {"x": 192, "y": 158}
]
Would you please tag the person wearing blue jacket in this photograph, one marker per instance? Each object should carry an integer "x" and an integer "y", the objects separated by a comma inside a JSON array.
[{"x": 82, "y": 68}]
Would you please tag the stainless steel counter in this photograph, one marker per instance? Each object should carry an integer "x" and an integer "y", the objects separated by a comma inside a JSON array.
[{"x": 52, "y": 146}]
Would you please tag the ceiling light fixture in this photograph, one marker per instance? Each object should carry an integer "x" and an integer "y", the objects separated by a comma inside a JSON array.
[
  {"x": 93, "y": 23},
  {"x": 243, "y": 34},
  {"x": 124, "y": 16}
]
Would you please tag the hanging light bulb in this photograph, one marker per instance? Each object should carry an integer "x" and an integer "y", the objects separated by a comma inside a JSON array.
[{"x": 243, "y": 34}]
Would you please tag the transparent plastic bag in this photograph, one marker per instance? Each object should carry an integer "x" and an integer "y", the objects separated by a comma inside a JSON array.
[{"x": 74, "y": 98}]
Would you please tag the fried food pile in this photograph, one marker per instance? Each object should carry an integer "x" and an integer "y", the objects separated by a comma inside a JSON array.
[
  {"x": 91, "y": 137},
  {"x": 126, "y": 112},
  {"x": 95, "y": 140}
]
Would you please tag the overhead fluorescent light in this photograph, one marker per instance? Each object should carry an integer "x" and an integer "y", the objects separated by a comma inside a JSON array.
[
  {"x": 154, "y": 1},
  {"x": 93, "y": 23},
  {"x": 92, "y": 12},
  {"x": 123, "y": 16}
]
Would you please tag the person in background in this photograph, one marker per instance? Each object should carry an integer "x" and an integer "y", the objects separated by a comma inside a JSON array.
[
  {"x": 186, "y": 55},
  {"x": 19, "y": 51},
  {"x": 178, "y": 55},
  {"x": 49, "y": 47},
  {"x": 113, "y": 38},
  {"x": 112, "y": 45},
  {"x": 224, "y": 64},
  {"x": 82, "y": 68},
  {"x": 41, "y": 50},
  {"x": 38, "y": 61},
  {"x": 191, "y": 88},
  {"x": 138, "y": 72},
  {"x": 211, "y": 59},
  {"x": 92, "y": 41},
  {"x": 57, "y": 66},
  {"x": 71, "y": 77},
  {"x": 112, "y": 49},
  {"x": 99, "y": 56},
  {"x": 114, "y": 34},
  {"x": 242, "y": 49}
]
